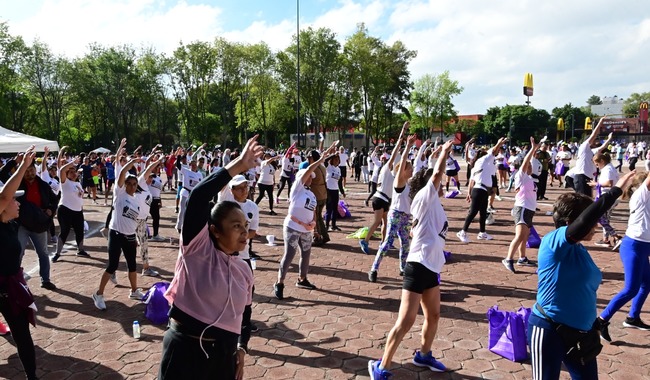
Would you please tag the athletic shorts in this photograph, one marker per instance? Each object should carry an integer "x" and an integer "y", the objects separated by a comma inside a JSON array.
[
  {"x": 502, "y": 167},
  {"x": 451, "y": 173},
  {"x": 523, "y": 215},
  {"x": 495, "y": 183},
  {"x": 418, "y": 278},
  {"x": 380, "y": 204}
]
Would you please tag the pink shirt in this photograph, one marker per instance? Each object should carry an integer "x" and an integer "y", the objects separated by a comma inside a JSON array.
[{"x": 209, "y": 285}]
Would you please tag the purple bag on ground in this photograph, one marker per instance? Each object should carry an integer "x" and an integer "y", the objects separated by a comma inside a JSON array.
[
  {"x": 452, "y": 194},
  {"x": 533, "y": 239},
  {"x": 343, "y": 210},
  {"x": 507, "y": 334},
  {"x": 157, "y": 305}
]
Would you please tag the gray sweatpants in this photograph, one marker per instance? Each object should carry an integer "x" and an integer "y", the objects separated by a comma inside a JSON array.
[{"x": 294, "y": 241}]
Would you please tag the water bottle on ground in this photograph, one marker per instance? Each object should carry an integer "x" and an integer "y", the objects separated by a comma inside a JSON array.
[
  {"x": 136, "y": 329},
  {"x": 253, "y": 263}
]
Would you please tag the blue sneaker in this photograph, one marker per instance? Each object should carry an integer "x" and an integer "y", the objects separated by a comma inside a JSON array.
[
  {"x": 428, "y": 361},
  {"x": 364, "y": 246},
  {"x": 375, "y": 372}
]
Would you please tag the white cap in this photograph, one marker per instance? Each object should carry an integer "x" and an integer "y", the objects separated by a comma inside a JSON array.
[{"x": 237, "y": 180}]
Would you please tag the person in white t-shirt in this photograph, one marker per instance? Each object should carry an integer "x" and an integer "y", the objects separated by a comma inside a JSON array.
[
  {"x": 121, "y": 238},
  {"x": 344, "y": 164},
  {"x": 423, "y": 265},
  {"x": 451, "y": 171},
  {"x": 332, "y": 180},
  {"x": 470, "y": 155},
  {"x": 267, "y": 180},
  {"x": 399, "y": 215},
  {"x": 523, "y": 210},
  {"x": 299, "y": 226},
  {"x": 70, "y": 211},
  {"x": 607, "y": 177},
  {"x": 502, "y": 167},
  {"x": 478, "y": 193},
  {"x": 144, "y": 197},
  {"x": 585, "y": 168},
  {"x": 374, "y": 163},
  {"x": 634, "y": 250},
  {"x": 563, "y": 156},
  {"x": 191, "y": 177}
]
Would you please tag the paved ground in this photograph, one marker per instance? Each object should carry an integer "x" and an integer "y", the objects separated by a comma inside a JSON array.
[{"x": 329, "y": 333}]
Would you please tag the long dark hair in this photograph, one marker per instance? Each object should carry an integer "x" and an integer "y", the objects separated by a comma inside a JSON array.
[{"x": 419, "y": 180}]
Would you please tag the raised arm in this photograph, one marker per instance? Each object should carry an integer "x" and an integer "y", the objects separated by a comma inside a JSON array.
[
  {"x": 325, "y": 155},
  {"x": 125, "y": 169},
  {"x": 46, "y": 152},
  {"x": 398, "y": 145},
  {"x": 150, "y": 167},
  {"x": 529, "y": 156},
  {"x": 9, "y": 188},
  {"x": 594, "y": 133},
  {"x": 501, "y": 141},
  {"x": 199, "y": 150},
  {"x": 439, "y": 169},
  {"x": 62, "y": 170},
  {"x": 61, "y": 157},
  {"x": 401, "y": 177},
  {"x": 603, "y": 147},
  {"x": 467, "y": 146}
]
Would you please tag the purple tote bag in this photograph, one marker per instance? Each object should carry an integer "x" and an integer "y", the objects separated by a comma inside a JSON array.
[{"x": 507, "y": 334}]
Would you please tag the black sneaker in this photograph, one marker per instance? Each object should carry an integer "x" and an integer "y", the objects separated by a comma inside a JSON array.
[
  {"x": 604, "y": 329},
  {"x": 254, "y": 255},
  {"x": 273, "y": 213},
  {"x": 372, "y": 276},
  {"x": 82, "y": 253},
  {"x": 254, "y": 328},
  {"x": 636, "y": 323},
  {"x": 48, "y": 285},
  {"x": 305, "y": 284},
  {"x": 278, "y": 290},
  {"x": 55, "y": 258},
  {"x": 401, "y": 273}
]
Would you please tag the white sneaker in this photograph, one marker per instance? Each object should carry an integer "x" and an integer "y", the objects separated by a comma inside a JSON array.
[
  {"x": 113, "y": 279},
  {"x": 498, "y": 198},
  {"x": 99, "y": 301},
  {"x": 150, "y": 272},
  {"x": 484, "y": 236},
  {"x": 136, "y": 295},
  {"x": 462, "y": 236}
]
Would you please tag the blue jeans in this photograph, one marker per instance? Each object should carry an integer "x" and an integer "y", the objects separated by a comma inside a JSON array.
[
  {"x": 636, "y": 266},
  {"x": 548, "y": 352},
  {"x": 39, "y": 241}
]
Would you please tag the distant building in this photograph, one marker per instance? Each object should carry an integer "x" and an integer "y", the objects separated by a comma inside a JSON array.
[{"x": 611, "y": 106}]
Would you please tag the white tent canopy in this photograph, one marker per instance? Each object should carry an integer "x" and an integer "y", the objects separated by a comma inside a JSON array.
[
  {"x": 100, "y": 150},
  {"x": 15, "y": 142}
]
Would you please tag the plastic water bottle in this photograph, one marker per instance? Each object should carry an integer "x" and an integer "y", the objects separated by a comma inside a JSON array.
[
  {"x": 136, "y": 329},
  {"x": 253, "y": 263}
]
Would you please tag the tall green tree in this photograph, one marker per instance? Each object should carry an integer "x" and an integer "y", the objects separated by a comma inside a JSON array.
[
  {"x": 431, "y": 100},
  {"x": 517, "y": 122},
  {"x": 631, "y": 104}
]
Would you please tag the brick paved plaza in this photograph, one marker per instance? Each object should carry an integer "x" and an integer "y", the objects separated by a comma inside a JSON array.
[{"x": 329, "y": 333}]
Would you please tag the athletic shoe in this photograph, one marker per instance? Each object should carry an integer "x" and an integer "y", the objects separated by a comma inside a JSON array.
[
  {"x": 462, "y": 236},
  {"x": 4, "y": 329},
  {"x": 602, "y": 243},
  {"x": 364, "y": 246},
  {"x": 254, "y": 328},
  {"x": 176, "y": 211},
  {"x": 157, "y": 238},
  {"x": 305, "y": 284},
  {"x": 53, "y": 240},
  {"x": 484, "y": 236},
  {"x": 136, "y": 295},
  {"x": 525, "y": 261},
  {"x": 254, "y": 255},
  {"x": 55, "y": 258},
  {"x": 366, "y": 202},
  {"x": 336, "y": 228},
  {"x": 103, "y": 231},
  {"x": 372, "y": 276},
  {"x": 273, "y": 213},
  {"x": 498, "y": 198},
  {"x": 636, "y": 323},
  {"x": 278, "y": 290},
  {"x": 150, "y": 272},
  {"x": 82, "y": 253},
  {"x": 99, "y": 301},
  {"x": 509, "y": 264},
  {"x": 617, "y": 245},
  {"x": 113, "y": 279},
  {"x": 491, "y": 209},
  {"x": 376, "y": 373},
  {"x": 604, "y": 330},
  {"x": 48, "y": 285},
  {"x": 428, "y": 361}
]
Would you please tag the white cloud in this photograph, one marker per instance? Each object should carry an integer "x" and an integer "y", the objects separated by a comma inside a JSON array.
[{"x": 69, "y": 26}]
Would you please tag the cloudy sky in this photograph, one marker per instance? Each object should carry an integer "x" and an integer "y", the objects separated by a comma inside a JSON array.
[{"x": 574, "y": 48}]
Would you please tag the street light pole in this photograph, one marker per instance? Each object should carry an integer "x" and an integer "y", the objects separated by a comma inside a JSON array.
[{"x": 298, "y": 70}]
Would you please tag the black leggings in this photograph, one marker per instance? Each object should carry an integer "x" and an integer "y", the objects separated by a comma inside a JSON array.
[
  {"x": 469, "y": 173},
  {"x": 373, "y": 190},
  {"x": 478, "y": 206},
  {"x": 118, "y": 243},
  {"x": 19, "y": 326},
  {"x": 283, "y": 181},
  {"x": 332, "y": 207},
  {"x": 633, "y": 161},
  {"x": 268, "y": 189},
  {"x": 154, "y": 211},
  {"x": 71, "y": 219}
]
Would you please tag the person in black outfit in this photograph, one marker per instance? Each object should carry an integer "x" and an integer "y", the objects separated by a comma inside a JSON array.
[{"x": 16, "y": 300}]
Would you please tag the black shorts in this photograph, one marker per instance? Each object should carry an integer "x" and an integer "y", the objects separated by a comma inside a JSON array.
[
  {"x": 451, "y": 173},
  {"x": 344, "y": 171},
  {"x": 502, "y": 167},
  {"x": 495, "y": 183},
  {"x": 379, "y": 204},
  {"x": 88, "y": 182},
  {"x": 418, "y": 278}
]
